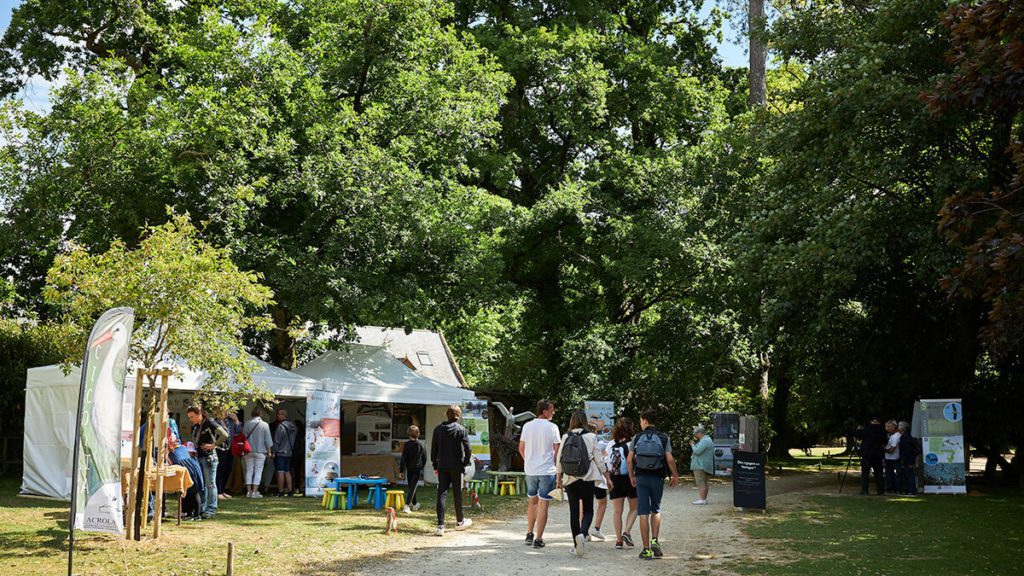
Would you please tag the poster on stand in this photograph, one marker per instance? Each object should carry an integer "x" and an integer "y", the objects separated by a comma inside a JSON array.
[
  {"x": 725, "y": 434},
  {"x": 602, "y": 415},
  {"x": 475, "y": 419},
  {"x": 373, "y": 428},
  {"x": 942, "y": 442},
  {"x": 323, "y": 440}
]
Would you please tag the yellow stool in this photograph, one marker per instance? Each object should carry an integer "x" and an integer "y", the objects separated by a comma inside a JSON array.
[
  {"x": 507, "y": 488},
  {"x": 395, "y": 498},
  {"x": 334, "y": 500}
]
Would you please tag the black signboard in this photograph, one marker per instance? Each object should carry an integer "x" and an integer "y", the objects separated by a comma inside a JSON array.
[{"x": 748, "y": 487}]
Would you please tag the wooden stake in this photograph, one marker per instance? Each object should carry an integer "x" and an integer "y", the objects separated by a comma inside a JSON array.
[
  {"x": 147, "y": 470},
  {"x": 231, "y": 558},
  {"x": 133, "y": 476},
  {"x": 161, "y": 455}
]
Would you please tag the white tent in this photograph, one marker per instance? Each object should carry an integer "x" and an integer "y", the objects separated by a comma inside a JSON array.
[
  {"x": 51, "y": 398},
  {"x": 372, "y": 374}
]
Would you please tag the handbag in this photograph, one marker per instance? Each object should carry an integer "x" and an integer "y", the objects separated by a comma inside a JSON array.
[{"x": 240, "y": 445}]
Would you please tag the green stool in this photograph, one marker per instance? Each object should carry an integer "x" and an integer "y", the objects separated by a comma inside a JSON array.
[
  {"x": 334, "y": 500},
  {"x": 478, "y": 486}
]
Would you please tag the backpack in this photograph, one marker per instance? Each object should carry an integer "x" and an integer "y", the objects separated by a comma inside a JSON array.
[
  {"x": 650, "y": 452},
  {"x": 575, "y": 457}
]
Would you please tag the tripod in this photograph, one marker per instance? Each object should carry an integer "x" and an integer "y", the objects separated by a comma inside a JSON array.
[{"x": 854, "y": 450}]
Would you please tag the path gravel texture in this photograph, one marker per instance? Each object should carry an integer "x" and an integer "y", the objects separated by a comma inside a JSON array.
[{"x": 694, "y": 539}]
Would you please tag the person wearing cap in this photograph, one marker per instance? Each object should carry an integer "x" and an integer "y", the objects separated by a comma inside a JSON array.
[
  {"x": 702, "y": 462},
  {"x": 872, "y": 443}
]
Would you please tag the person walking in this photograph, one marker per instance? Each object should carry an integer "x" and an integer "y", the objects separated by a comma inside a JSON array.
[
  {"x": 580, "y": 465},
  {"x": 450, "y": 453},
  {"x": 207, "y": 435},
  {"x": 872, "y": 442},
  {"x": 601, "y": 487},
  {"x": 622, "y": 490},
  {"x": 650, "y": 459},
  {"x": 410, "y": 467},
  {"x": 258, "y": 433},
  {"x": 538, "y": 445},
  {"x": 892, "y": 458},
  {"x": 702, "y": 463}
]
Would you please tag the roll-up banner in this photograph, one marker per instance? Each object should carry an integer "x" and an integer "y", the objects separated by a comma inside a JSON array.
[
  {"x": 96, "y": 500},
  {"x": 323, "y": 440},
  {"x": 942, "y": 443}
]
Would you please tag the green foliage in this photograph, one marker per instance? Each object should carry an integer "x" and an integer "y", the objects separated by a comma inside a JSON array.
[
  {"x": 191, "y": 302},
  {"x": 26, "y": 345}
]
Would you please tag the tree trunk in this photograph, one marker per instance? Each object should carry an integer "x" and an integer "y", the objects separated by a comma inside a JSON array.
[
  {"x": 282, "y": 349},
  {"x": 780, "y": 416},
  {"x": 758, "y": 54}
]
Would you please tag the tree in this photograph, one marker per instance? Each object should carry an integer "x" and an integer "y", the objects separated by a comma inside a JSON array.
[{"x": 191, "y": 302}]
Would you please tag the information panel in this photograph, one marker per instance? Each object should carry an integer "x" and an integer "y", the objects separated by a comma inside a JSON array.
[
  {"x": 942, "y": 441},
  {"x": 323, "y": 440},
  {"x": 748, "y": 482}
]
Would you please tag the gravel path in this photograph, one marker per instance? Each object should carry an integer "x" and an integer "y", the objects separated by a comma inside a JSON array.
[{"x": 694, "y": 538}]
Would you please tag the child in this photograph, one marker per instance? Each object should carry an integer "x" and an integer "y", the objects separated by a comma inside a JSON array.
[{"x": 414, "y": 458}]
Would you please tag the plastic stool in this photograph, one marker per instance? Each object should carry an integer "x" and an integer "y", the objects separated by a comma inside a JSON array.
[
  {"x": 334, "y": 500},
  {"x": 375, "y": 496},
  {"x": 396, "y": 499},
  {"x": 508, "y": 488},
  {"x": 476, "y": 486}
]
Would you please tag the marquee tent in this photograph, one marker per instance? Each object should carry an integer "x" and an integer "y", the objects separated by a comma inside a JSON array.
[{"x": 51, "y": 398}]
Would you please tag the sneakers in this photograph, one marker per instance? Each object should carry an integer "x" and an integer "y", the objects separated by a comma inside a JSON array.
[
  {"x": 656, "y": 548},
  {"x": 280, "y": 495},
  {"x": 596, "y": 534},
  {"x": 415, "y": 506},
  {"x": 406, "y": 510},
  {"x": 257, "y": 495},
  {"x": 529, "y": 538},
  {"x": 627, "y": 539},
  {"x": 618, "y": 544},
  {"x": 206, "y": 515},
  {"x": 440, "y": 531},
  {"x": 466, "y": 523},
  {"x": 579, "y": 545},
  {"x": 538, "y": 543},
  {"x": 646, "y": 554},
  {"x": 572, "y": 551},
  {"x": 700, "y": 502}
]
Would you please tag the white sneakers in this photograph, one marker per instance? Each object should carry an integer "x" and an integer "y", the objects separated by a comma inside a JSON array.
[
  {"x": 406, "y": 510},
  {"x": 416, "y": 506},
  {"x": 579, "y": 551},
  {"x": 700, "y": 502},
  {"x": 440, "y": 531},
  {"x": 466, "y": 523},
  {"x": 595, "y": 534}
]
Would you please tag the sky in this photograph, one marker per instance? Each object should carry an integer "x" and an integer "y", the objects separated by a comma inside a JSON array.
[{"x": 35, "y": 94}]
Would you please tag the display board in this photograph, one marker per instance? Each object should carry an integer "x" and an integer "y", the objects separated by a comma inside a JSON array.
[
  {"x": 373, "y": 428},
  {"x": 942, "y": 441},
  {"x": 323, "y": 440},
  {"x": 602, "y": 415},
  {"x": 749, "y": 489},
  {"x": 726, "y": 438},
  {"x": 475, "y": 418}
]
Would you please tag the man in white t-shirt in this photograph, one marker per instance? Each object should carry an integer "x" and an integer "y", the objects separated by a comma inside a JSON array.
[
  {"x": 892, "y": 458},
  {"x": 538, "y": 445}
]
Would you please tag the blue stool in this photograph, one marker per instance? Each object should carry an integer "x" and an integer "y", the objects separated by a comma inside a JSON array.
[{"x": 376, "y": 495}]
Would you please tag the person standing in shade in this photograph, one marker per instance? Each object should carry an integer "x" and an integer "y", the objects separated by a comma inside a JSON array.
[
  {"x": 258, "y": 433},
  {"x": 225, "y": 459},
  {"x": 538, "y": 445},
  {"x": 908, "y": 461},
  {"x": 601, "y": 488},
  {"x": 450, "y": 453},
  {"x": 650, "y": 458},
  {"x": 284, "y": 443},
  {"x": 622, "y": 489},
  {"x": 872, "y": 443},
  {"x": 892, "y": 458},
  {"x": 207, "y": 435},
  {"x": 702, "y": 463},
  {"x": 410, "y": 468},
  {"x": 580, "y": 464}
]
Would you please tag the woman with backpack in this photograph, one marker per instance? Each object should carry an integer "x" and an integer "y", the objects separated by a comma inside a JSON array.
[
  {"x": 578, "y": 466},
  {"x": 622, "y": 489}
]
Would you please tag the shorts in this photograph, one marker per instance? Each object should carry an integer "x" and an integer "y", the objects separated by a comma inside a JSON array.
[
  {"x": 648, "y": 491},
  {"x": 600, "y": 493},
  {"x": 701, "y": 478},
  {"x": 622, "y": 488},
  {"x": 540, "y": 486},
  {"x": 282, "y": 464}
]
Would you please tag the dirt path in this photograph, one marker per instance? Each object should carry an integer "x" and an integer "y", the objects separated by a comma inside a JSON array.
[{"x": 694, "y": 538}]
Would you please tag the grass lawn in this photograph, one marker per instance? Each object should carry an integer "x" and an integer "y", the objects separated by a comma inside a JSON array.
[
  {"x": 982, "y": 533},
  {"x": 270, "y": 535}
]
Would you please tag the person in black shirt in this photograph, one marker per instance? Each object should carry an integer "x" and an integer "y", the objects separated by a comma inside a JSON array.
[
  {"x": 414, "y": 458},
  {"x": 908, "y": 461},
  {"x": 872, "y": 443},
  {"x": 207, "y": 434},
  {"x": 450, "y": 454}
]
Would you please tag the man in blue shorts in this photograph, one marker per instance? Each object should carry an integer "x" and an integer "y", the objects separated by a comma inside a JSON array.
[
  {"x": 538, "y": 445},
  {"x": 650, "y": 456}
]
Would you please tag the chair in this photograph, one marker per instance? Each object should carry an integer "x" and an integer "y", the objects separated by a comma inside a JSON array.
[
  {"x": 396, "y": 499},
  {"x": 508, "y": 488}
]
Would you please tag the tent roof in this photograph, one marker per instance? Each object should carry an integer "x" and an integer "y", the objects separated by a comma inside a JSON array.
[
  {"x": 280, "y": 382},
  {"x": 373, "y": 374}
]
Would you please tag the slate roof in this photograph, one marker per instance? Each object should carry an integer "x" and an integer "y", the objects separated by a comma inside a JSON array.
[{"x": 425, "y": 351}]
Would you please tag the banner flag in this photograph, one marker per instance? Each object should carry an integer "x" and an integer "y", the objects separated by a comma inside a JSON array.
[
  {"x": 96, "y": 499},
  {"x": 323, "y": 440}
]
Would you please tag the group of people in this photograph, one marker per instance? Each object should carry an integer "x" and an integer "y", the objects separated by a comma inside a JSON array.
[
  {"x": 280, "y": 442},
  {"x": 630, "y": 469},
  {"x": 891, "y": 449}
]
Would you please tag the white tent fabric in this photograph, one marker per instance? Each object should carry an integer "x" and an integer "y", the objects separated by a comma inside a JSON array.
[
  {"x": 371, "y": 374},
  {"x": 51, "y": 398}
]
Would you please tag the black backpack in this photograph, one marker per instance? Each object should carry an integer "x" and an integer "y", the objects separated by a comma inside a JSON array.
[
  {"x": 650, "y": 452},
  {"x": 575, "y": 457}
]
